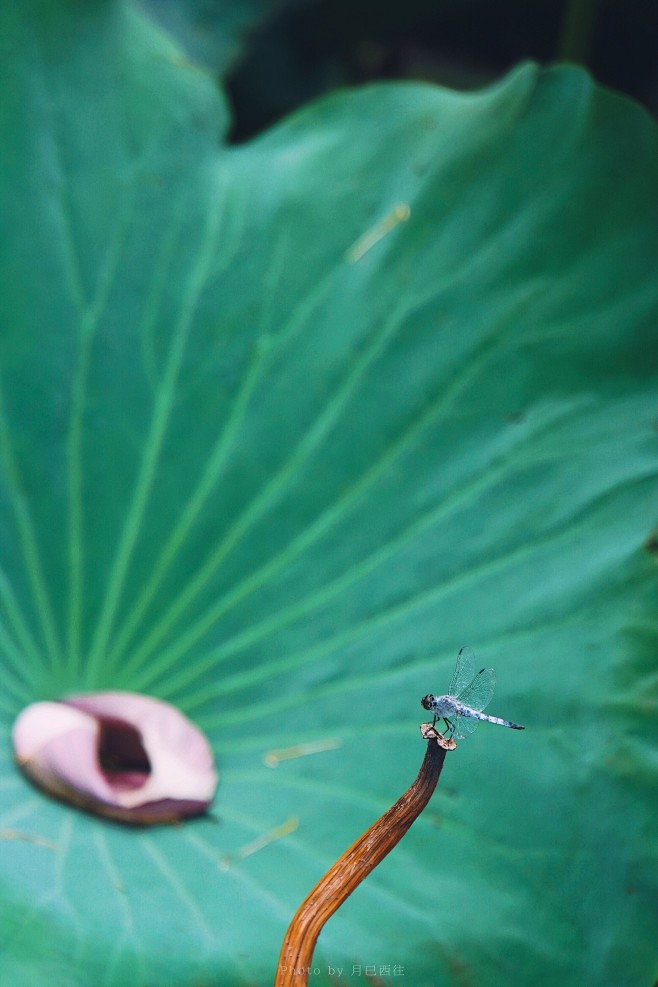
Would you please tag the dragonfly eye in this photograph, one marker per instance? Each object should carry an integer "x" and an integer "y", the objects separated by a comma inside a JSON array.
[{"x": 427, "y": 701}]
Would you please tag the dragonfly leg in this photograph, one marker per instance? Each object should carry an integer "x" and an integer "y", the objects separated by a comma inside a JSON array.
[
  {"x": 447, "y": 723},
  {"x": 449, "y": 728}
]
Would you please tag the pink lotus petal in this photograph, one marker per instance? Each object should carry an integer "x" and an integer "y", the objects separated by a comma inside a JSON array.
[{"x": 118, "y": 754}]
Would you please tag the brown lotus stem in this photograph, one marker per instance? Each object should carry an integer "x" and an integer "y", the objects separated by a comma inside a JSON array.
[{"x": 356, "y": 863}]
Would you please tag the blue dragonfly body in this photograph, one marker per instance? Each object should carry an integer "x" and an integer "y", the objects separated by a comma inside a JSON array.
[{"x": 462, "y": 707}]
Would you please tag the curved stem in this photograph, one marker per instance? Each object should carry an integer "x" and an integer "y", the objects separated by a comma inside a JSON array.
[
  {"x": 355, "y": 864},
  {"x": 577, "y": 29}
]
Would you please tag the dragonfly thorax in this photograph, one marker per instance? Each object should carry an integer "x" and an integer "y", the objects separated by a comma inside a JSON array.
[{"x": 441, "y": 705}]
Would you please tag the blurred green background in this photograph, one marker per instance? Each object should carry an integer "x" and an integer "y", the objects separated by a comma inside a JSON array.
[
  {"x": 276, "y": 55},
  {"x": 284, "y": 422}
]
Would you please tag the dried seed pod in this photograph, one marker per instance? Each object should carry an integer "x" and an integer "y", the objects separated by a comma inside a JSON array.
[{"x": 117, "y": 754}]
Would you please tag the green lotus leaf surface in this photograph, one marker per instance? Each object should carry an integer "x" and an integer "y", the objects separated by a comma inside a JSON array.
[{"x": 282, "y": 427}]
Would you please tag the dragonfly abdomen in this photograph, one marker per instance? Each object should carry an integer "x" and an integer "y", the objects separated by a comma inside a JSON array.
[{"x": 467, "y": 711}]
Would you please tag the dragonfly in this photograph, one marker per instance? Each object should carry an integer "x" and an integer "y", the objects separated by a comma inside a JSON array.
[{"x": 461, "y": 709}]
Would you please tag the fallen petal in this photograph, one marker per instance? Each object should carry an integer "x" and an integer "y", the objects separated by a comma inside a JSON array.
[{"x": 117, "y": 754}]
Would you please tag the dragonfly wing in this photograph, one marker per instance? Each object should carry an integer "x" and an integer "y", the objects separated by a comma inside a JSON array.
[
  {"x": 463, "y": 673},
  {"x": 478, "y": 694},
  {"x": 464, "y": 726}
]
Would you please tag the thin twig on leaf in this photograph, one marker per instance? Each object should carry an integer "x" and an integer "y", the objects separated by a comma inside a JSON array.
[{"x": 356, "y": 863}]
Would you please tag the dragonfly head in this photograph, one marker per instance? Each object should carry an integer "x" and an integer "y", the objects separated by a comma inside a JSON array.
[{"x": 427, "y": 702}]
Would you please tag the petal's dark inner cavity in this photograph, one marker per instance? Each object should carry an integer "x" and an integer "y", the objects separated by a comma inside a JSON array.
[{"x": 121, "y": 754}]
